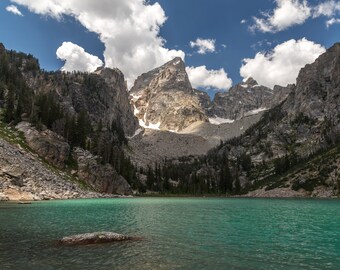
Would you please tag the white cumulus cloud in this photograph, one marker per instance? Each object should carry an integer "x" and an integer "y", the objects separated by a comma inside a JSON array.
[
  {"x": 286, "y": 14},
  {"x": 281, "y": 65},
  {"x": 327, "y": 8},
  {"x": 201, "y": 77},
  {"x": 332, "y": 21},
  {"x": 76, "y": 59},
  {"x": 203, "y": 45},
  {"x": 14, "y": 9},
  {"x": 293, "y": 12},
  {"x": 129, "y": 30}
]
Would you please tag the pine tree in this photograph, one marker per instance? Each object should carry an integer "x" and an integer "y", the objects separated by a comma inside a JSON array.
[
  {"x": 2, "y": 91},
  {"x": 226, "y": 181},
  {"x": 10, "y": 104},
  {"x": 237, "y": 182}
]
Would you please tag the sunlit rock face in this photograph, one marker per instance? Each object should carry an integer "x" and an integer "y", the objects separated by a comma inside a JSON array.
[{"x": 163, "y": 98}]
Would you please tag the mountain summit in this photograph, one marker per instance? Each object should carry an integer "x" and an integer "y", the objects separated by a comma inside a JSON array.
[
  {"x": 247, "y": 98},
  {"x": 163, "y": 98}
]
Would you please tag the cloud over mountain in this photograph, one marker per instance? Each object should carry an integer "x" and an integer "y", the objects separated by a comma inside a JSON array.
[
  {"x": 281, "y": 65},
  {"x": 201, "y": 77},
  {"x": 76, "y": 58},
  {"x": 129, "y": 30}
]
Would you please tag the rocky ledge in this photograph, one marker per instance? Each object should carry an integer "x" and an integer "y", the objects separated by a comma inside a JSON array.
[{"x": 94, "y": 238}]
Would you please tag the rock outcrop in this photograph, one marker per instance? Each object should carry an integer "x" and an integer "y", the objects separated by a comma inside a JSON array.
[
  {"x": 46, "y": 144},
  {"x": 164, "y": 98},
  {"x": 247, "y": 98},
  {"x": 317, "y": 91},
  {"x": 94, "y": 238},
  {"x": 53, "y": 148},
  {"x": 101, "y": 177},
  {"x": 102, "y": 95}
]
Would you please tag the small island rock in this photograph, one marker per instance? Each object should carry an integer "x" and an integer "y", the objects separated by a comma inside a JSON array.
[{"x": 94, "y": 238}]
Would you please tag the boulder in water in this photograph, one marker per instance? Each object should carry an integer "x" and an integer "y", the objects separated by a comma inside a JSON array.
[{"x": 94, "y": 238}]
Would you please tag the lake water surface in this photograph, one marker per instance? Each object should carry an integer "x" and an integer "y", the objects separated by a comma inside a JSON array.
[{"x": 179, "y": 233}]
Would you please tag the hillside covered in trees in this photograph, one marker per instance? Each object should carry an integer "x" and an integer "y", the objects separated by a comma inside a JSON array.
[{"x": 82, "y": 108}]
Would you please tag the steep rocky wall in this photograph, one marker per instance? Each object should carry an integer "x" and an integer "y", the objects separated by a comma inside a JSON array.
[
  {"x": 103, "y": 95},
  {"x": 164, "y": 97}
]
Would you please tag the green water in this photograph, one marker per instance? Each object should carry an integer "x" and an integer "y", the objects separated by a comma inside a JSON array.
[{"x": 178, "y": 233}]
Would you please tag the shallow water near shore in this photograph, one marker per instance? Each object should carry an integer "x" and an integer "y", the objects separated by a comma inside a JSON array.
[{"x": 178, "y": 233}]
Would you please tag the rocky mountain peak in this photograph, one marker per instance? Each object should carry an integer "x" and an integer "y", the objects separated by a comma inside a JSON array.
[
  {"x": 2, "y": 48},
  {"x": 250, "y": 82},
  {"x": 177, "y": 61},
  {"x": 334, "y": 48},
  {"x": 247, "y": 98},
  {"x": 170, "y": 76},
  {"x": 164, "y": 98}
]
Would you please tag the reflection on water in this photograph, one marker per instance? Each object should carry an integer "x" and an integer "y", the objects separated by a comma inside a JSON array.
[{"x": 178, "y": 233}]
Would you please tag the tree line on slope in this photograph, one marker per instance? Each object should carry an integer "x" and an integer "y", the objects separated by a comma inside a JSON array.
[{"x": 19, "y": 102}]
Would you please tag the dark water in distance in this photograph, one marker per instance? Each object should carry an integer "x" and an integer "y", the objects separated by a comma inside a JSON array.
[{"x": 179, "y": 233}]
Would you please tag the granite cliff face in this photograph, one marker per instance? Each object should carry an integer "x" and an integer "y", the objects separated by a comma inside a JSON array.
[
  {"x": 102, "y": 95},
  {"x": 247, "y": 98},
  {"x": 164, "y": 98},
  {"x": 317, "y": 91}
]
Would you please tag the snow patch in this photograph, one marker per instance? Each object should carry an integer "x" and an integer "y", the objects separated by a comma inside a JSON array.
[
  {"x": 150, "y": 126},
  {"x": 135, "y": 110},
  {"x": 218, "y": 121},
  {"x": 138, "y": 131},
  {"x": 256, "y": 111},
  {"x": 244, "y": 85},
  {"x": 177, "y": 62},
  {"x": 135, "y": 97},
  {"x": 256, "y": 85}
]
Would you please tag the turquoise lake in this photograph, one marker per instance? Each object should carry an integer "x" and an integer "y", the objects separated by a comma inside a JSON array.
[{"x": 178, "y": 233}]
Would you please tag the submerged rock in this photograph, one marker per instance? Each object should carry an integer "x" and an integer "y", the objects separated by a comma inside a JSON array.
[{"x": 94, "y": 238}]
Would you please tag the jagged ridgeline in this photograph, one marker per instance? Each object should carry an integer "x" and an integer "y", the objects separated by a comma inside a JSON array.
[
  {"x": 294, "y": 150},
  {"x": 90, "y": 111}
]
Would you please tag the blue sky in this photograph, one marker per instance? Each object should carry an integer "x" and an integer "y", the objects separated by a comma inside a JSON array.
[{"x": 42, "y": 31}]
